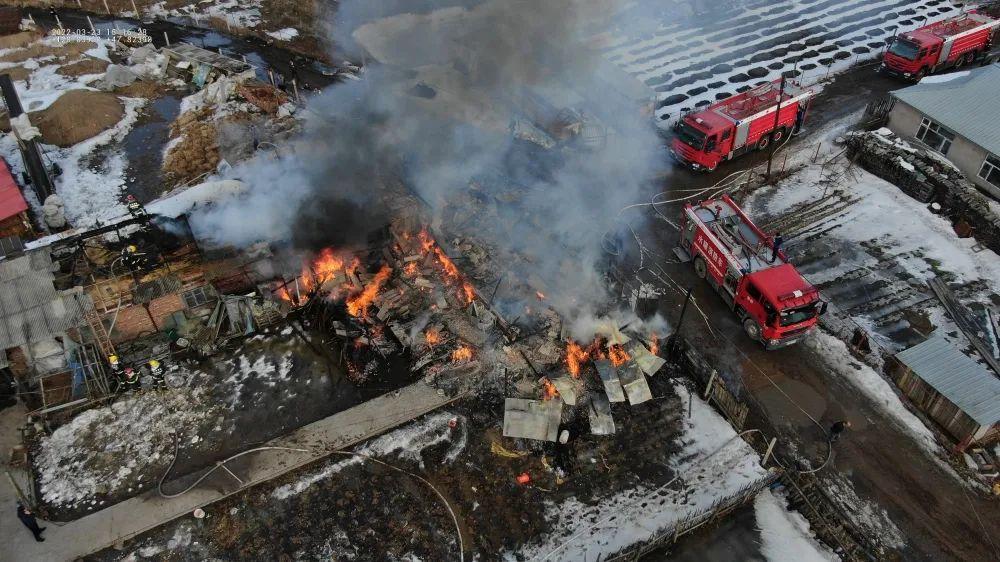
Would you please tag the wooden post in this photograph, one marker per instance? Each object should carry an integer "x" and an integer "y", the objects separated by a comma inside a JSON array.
[
  {"x": 295, "y": 88},
  {"x": 711, "y": 381},
  {"x": 136, "y": 10},
  {"x": 816, "y": 154},
  {"x": 92, "y": 28},
  {"x": 270, "y": 76},
  {"x": 106, "y": 8},
  {"x": 166, "y": 38},
  {"x": 770, "y": 449},
  {"x": 58, "y": 23},
  {"x": 78, "y": 4}
]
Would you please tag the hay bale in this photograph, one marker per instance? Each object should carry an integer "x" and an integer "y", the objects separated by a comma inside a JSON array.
[
  {"x": 77, "y": 116},
  {"x": 86, "y": 65}
]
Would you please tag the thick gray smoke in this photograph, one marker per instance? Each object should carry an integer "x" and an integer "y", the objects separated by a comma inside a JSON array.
[{"x": 454, "y": 108}]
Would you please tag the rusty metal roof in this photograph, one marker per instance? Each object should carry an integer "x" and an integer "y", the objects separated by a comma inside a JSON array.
[{"x": 965, "y": 382}]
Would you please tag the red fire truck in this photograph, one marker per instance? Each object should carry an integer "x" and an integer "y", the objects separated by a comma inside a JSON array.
[
  {"x": 775, "y": 304},
  {"x": 739, "y": 124},
  {"x": 949, "y": 43}
]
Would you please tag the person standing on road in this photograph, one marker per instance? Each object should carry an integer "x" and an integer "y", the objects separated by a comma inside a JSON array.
[
  {"x": 28, "y": 518},
  {"x": 837, "y": 428},
  {"x": 776, "y": 246}
]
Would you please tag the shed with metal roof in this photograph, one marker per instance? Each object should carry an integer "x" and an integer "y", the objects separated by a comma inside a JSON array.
[{"x": 958, "y": 392}]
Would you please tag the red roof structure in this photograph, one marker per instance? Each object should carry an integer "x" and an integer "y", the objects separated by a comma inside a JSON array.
[{"x": 11, "y": 200}]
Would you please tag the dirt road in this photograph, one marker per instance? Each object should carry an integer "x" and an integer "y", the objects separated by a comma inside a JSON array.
[{"x": 939, "y": 517}]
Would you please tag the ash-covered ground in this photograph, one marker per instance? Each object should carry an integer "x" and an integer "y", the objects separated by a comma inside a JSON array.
[{"x": 353, "y": 508}]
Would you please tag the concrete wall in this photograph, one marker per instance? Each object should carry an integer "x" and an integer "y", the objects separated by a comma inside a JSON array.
[{"x": 904, "y": 120}]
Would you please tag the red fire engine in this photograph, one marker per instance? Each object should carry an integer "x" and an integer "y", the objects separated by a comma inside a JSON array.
[
  {"x": 775, "y": 304},
  {"x": 949, "y": 43},
  {"x": 739, "y": 124}
]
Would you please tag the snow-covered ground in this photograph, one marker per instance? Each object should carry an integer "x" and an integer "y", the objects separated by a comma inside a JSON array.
[
  {"x": 407, "y": 442},
  {"x": 698, "y": 56},
  {"x": 238, "y": 13},
  {"x": 784, "y": 534},
  {"x": 90, "y": 185},
  {"x": 711, "y": 453}
]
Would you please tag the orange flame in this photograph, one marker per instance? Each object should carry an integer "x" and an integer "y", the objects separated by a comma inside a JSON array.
[
  {"x": 326, "y": 266},
  {"x": 358, "y": 304},
  {"x": 654, "y": 345},
  {"x": 617, "y": 354},
  {"x": 411, "y": 268},
  {"x": 432, "y": 336},
  {"x": 463, "y": 353},
  {"x": 469, "y": 292},
  {"x": 283, "y": 294},
  {"x": 426, "y": 242},
  {"x": 306, "y": 280},
  {"x": 549, "y": 390},
  {"x": 576, "y": 356},
  {"x": 449, "y": 266}
]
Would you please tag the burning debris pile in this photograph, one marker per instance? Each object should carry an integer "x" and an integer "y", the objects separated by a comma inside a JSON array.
[{"x": 409, "y": 300}]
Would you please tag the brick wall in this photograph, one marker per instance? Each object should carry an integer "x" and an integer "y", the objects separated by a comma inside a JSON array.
[{"x": 134, "y": 320}]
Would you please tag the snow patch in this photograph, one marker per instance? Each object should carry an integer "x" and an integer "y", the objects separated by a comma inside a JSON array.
[
  {"x": 711, "y": 452},
  {"x": 942, "y": 78},
  {"x": 785, "y": 535},
  {"x": 286, "y": 34},
  {"x": 408, "y": 442}
]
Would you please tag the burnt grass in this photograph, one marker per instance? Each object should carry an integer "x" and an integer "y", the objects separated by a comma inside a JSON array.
[{"x": 368, "y": 512}]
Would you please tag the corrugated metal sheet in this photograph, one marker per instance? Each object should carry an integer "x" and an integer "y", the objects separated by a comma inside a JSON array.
[
  {"x": 31, "y": 309},
  {"x": 967, "y": 383},
  {"x": 968, "y": 104}
]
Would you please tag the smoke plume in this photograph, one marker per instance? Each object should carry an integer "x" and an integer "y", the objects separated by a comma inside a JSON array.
[{"x": 452, "y": 104}]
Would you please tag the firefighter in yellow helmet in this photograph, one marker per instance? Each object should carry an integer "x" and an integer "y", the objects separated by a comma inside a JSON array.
[{"x": 156, "y": 372}]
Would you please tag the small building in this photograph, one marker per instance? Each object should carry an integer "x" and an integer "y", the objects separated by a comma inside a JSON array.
[
  {"x": 14, "y": 219},
  {"x": 958, "y": 116},
  {"x": 956, "y": 391}
]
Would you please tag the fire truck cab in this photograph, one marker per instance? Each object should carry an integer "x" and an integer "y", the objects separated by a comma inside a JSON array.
[
  {"x": 949, "y": 43},
  {"x": 775, "y": 304},
  {"x": 739, "y": 124}
]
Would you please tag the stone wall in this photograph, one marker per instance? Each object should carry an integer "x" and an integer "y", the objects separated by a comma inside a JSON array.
[{"x": 927, "y": 178}]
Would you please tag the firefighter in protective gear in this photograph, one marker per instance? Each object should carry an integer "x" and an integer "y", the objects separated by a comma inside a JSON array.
[
  {"x": 133, "y": 259},
  {"x": 129, "y": 379},
  {"x": 115, "y": 364},
  {"x": 156, "y": 372},
  {"x": 135, "y": 208}
]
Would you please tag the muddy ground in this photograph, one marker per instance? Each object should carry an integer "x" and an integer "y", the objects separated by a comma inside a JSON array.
[{"x": 365, "y": 511}]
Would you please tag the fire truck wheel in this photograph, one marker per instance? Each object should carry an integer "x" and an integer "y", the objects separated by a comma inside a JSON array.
[
  {"x": 763, "y": 142},
  {"x": 920, "y": 74},
  {"x": 700, "y": 268},
  {"x": 752, "y": 328},
  {"x": 778, "y": 135},
  {"x": 712, "y": 167}
]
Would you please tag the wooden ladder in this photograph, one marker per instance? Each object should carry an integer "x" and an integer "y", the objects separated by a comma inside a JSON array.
[{"x": 101, "y": 337}]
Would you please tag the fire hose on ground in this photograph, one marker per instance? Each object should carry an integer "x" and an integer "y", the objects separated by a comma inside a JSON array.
[{"x": 222, "y": 464}]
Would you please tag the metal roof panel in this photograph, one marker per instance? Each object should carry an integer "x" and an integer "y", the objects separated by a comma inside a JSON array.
[{"x": 964, "y": 381}]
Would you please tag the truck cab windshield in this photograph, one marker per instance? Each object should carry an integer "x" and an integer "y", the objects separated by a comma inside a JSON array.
[
  {"x": 903, "y": 48},
  {"x": 689, "y": 135},
  {"x": 800, "y": 314}
]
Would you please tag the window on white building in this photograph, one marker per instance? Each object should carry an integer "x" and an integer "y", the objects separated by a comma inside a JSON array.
[
  {"x": 935, "y": 136},
  {"x": 195, "y": 297},
  {"x": 991, "y": 170}
]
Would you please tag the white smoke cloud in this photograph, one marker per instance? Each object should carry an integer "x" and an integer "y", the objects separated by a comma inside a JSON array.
[{"x": 437, "y": 111}]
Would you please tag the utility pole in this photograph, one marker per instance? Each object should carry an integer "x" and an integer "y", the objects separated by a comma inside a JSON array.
[
  {"x": 777, "y": 121},
  {"x": 31, "y": 153},
  {"x": 680, "y": 322}
]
